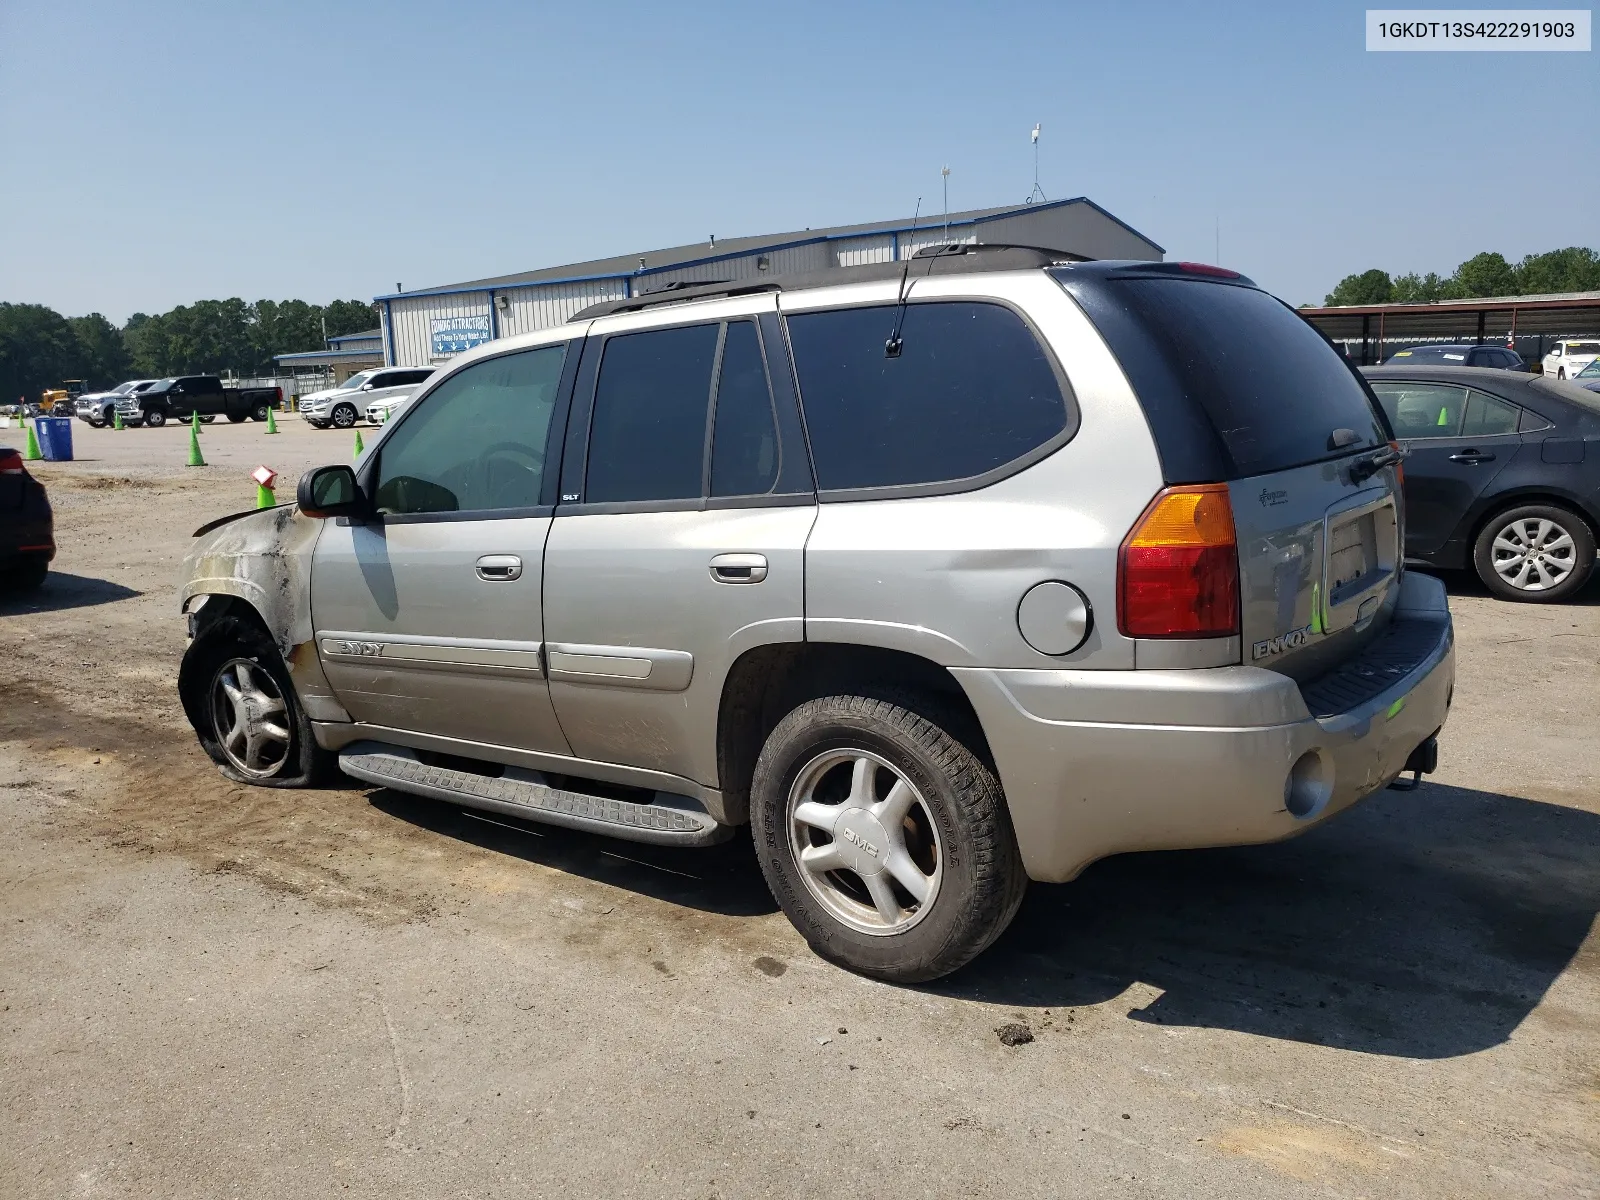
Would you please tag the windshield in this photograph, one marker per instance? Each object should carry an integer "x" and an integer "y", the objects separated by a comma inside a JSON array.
[
  {"x": 355, "y": 381},
  {"x": 122, "y": 389},
  {"x": 1445, "y": 354},
  {"x": 1583, "y": 347},
  {"x": 1589, "y": 372}
]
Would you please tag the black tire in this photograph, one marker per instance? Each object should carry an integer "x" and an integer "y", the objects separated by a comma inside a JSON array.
[
  {"x": 237, "y": 418},
  {"x": 1561, "y": 372},
  {"x": 345, "y": 416},
  {"x": 25, "y": 574},
  {"x": 207, "y": 418},
  {"x": 1578, "y": 562},
  {"x": 97, "y": 422},
  {"x": 227, "y": 641},
  {"x": 155, "y": 418},
  {"x": 317, "y": 424},
  {"x": 258, "y": 413},
  {"x": 981, "y": 881}
]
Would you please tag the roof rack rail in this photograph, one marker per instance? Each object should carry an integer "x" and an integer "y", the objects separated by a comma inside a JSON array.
[
  {"x": 939, "y": 258},
  {"x": 678, "y": 292},
  {"x": 949, "y": 249}
]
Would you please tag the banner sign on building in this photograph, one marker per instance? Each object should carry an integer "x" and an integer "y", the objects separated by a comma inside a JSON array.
[{"x": 452, "y": 335}]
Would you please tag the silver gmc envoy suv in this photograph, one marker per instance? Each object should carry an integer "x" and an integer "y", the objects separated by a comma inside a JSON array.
[{"x": 942, "y": 575}]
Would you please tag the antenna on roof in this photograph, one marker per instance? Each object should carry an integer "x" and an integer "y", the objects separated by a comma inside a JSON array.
[
  {"x": 1038, "y": 192},
  {"x": 945, "y": 171},
  {"x": 893, "y": 346}
]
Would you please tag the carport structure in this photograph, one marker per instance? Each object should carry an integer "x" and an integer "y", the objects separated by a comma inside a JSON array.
[{"x": 1527, "y": 322}]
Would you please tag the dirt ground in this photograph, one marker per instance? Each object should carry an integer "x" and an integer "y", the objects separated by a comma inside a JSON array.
[{"x": 208, "y": 990}]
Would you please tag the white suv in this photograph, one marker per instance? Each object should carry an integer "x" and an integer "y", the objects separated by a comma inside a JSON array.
[
  {"x": 344, "y": 405},
  {"x": 1566, "y": 359}
]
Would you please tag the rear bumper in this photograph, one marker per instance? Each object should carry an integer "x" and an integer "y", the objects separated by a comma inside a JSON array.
[{"x": 1104, "y": 762}]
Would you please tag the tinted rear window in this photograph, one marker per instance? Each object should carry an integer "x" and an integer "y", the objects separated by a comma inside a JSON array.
[
  {"x": 647, "y": 435},
  {"x": 1232, "y": 380},
  {"x": 970, "y": 391}
]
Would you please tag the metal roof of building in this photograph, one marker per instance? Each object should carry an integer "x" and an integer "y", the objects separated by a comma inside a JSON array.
[
  {"x": 1561, "y": 312},
  {"x": 676, "y": 256}
]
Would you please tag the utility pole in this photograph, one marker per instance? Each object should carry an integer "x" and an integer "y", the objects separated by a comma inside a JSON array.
[
  {"x": 1038, "y": 192},
  {"x": 946, "y": 173}
]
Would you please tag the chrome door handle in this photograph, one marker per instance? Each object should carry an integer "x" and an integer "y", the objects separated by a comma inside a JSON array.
[
  {"x": 739, "y": 568},
  {"x": 1472, "y": 457},
  {"x": 499, "y": 568}
]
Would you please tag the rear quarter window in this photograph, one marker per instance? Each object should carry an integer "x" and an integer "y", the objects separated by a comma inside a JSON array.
[
  {"x": 1233, "y": 381},
  {"x": 972, "y": 391}
]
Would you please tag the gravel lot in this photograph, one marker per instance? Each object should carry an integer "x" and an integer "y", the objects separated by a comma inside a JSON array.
[{"x": 208, "y": 990}]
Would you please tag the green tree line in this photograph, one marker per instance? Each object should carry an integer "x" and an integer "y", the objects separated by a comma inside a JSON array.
[
  {"x": 1575, "y": 269},
  {"x": 39, "y": 347}
]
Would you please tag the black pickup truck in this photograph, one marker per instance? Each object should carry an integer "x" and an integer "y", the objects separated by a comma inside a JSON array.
[{"x": 178, "y": 399}]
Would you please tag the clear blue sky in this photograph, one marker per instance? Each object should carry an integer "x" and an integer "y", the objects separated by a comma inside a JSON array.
[{"x": 160, "y": 152}]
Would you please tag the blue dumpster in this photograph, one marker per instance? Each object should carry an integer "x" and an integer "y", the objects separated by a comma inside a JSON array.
[{"x": 55, "y": 438}]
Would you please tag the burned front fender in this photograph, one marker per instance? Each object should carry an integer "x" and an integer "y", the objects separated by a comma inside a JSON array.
[{"x": 264, "y": 560}]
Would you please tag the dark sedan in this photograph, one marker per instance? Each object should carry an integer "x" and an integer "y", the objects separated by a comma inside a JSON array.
[
  {"x": 27, "y": 533},
  {"x": 1502, "y": 474},
  {"x": 1457, "y": 356}
]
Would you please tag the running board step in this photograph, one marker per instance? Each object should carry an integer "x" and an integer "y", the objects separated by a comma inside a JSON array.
[{"x": 525, "y": 794}]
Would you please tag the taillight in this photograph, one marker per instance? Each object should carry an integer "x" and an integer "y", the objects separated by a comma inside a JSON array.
[
  {"x": 1194, "y": 268},
  {"x": 11, "y": 462},
  {"x": 1178, "y": 570}
]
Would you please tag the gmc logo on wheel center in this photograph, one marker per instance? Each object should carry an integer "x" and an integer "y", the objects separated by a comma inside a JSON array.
[{"x": 855, "y": 839}]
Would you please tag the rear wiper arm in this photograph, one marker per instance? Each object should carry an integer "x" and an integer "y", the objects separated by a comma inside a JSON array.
[{"x": 1368, "y": 465}]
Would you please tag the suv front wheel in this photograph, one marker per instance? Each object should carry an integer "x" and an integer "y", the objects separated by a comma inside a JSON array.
[
  {"x": 885, "y": 839},
  {"x": 237, "y": 694}
]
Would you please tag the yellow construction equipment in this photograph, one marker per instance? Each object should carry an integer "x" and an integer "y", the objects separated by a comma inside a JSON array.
[{"x": 58, "y": 402}]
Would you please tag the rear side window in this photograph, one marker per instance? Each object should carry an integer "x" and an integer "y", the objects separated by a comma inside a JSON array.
[
  {"x": 1422, "y": 410},
  {"x": 971, "y": 391},
  {"x": 1487, "y": 416},
  {"x": 648, "y": 432},
  {"x": 1231, "y": 378}
]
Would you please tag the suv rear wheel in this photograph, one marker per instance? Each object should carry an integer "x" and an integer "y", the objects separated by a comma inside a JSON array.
[
  {"x": 237, "y": 695},
  {"x": 884, "y": 838},
  {"x": 1536, "y": 552}
]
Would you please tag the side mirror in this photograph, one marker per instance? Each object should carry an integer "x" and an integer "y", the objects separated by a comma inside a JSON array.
[
  {"x": 330, "y": 492},
  {"x": 366, "y": 387}
]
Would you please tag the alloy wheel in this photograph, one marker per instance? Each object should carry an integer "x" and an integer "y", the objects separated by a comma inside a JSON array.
[
  {"x": 1533, "y": 554},
  {"x": 250, "y": 718},
  {"x": 865, "y": 841}
]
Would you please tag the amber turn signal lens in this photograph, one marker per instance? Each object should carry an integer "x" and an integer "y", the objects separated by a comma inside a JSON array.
[{"x": 1178, "y": 569}]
